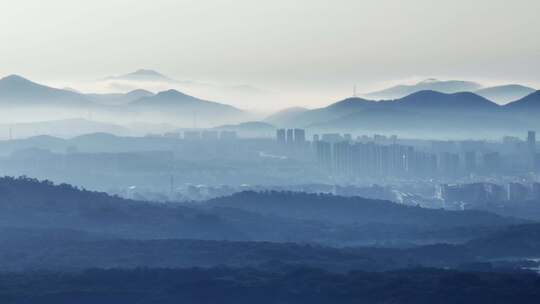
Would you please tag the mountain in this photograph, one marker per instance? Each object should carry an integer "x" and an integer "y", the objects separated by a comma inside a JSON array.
[
  {"x": 32, "y": 204},
  {"x": 282, "y": 283},
  {"x": 360, "y": 113},
  {"x": 29, "y": 203},
  {"x": 433, "y": 100},
  {"x": 142, "y": 75},
  {"x": 419, "y": 114},
  {"x": 119, "y": 98},
  {"x": 422, "y": 124},
  {"x": 448, "y": 86},
  {"x": 16, "y": 91},
  {"x": 136, "y": 94},
  {"x": 528, "y": 103},
  {"x": 285, "y": 114},
  {"x": 353, "y": 210},
  {"x": 334, "y": 111},
  {"x": 178, "y": 104},
  {"x": 505, "y": 93}
]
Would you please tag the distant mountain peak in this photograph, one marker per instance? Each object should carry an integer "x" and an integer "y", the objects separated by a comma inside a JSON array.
[
  {"x": 14, "y": 78},
  {"x": 147, "y": 72},
  {"x": 170, "y": 97},
  {"x": 351, "y": 101},
  {"x": 429, "y": 80},
  {"x": 425, "y": 93},
  {"x": 143, "y": 74},
  {"x": 139, "y": 91},
  {"x": 172, "y": 93},
  {"x": 429, "y": 99}
]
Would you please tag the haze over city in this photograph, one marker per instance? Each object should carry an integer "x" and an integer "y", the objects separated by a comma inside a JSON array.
[{"x": 303, "y": 152}]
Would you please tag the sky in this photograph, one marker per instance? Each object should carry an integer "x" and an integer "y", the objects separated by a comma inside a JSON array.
[{"x": 307, "y": 52}]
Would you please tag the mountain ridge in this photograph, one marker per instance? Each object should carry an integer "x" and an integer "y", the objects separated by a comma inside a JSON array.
[
  {"x": 503, "y": 94},
  {"x": 17, "y": 88},
  {"x": 444, "y": 86},
  {"x": 529, "y": 102}
]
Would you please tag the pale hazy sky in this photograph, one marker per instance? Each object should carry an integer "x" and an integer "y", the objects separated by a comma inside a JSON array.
[{"x": 314, "y": 46}]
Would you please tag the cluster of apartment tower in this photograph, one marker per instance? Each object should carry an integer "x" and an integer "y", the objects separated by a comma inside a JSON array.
[{"x": 381, "y": 156}]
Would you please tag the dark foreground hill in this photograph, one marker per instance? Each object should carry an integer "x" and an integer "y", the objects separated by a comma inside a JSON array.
[
  {"x": 279, "y": 217},
  {"x": 222, "y": 285},
  {"x": 529, "y": 103},
  {"x": 337, "y": 209},
  {"x": 69, "y": 250}
]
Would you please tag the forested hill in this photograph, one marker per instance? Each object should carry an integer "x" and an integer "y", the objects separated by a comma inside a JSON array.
[
  {"x": 351, "y": 210},
  {"x": 26, "y": 202},
  {"x": 247, "y": 286},
  {"x": 270, "y": 216}
]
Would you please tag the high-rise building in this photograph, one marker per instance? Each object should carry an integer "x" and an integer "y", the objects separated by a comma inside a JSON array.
[
  {"x": 449, "y": 164},
  {"x": 492, "y": 162},
  {"x": 342, "y": 153},
  {"x": 228, "y": 135},
  {"x": 280, "y": 136},
  {"x": 299, "y": 136},
  {"x": 517, "y": 192},
  {"x": 535, "y": 191},
  {"x": 531, "y": 146},
  {"x": 209, "y": 135},
  {"x": 470, "y": 162},
  {"x": 290, "y": 136},
  {"x": 531, "y": 141},
  {"x": 192, "y": 135},
  {"x": 332, "y": 137},
  {"x": 323, "y": 151}
]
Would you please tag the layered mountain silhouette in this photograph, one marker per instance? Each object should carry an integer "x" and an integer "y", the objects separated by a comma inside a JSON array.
[
  {"x": 443, "y": 86},
  {"x": 505, "y": 93},
  {"x": 172, "y": 105},
  {"x": 436, "y": 101},
  {"x": 18, "y": 91},
  {"x": 183, "y": 106},
  {"x": 529, "y": 104},
  {"x": 420, "y": 111},
  {"x": 331, "y": 112},
  {"x": 423, "y": 101},
  {"x": 285, "y": 114},
  {"x": 500, "y": 94},
  {"x": 119, "y": 98}
]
